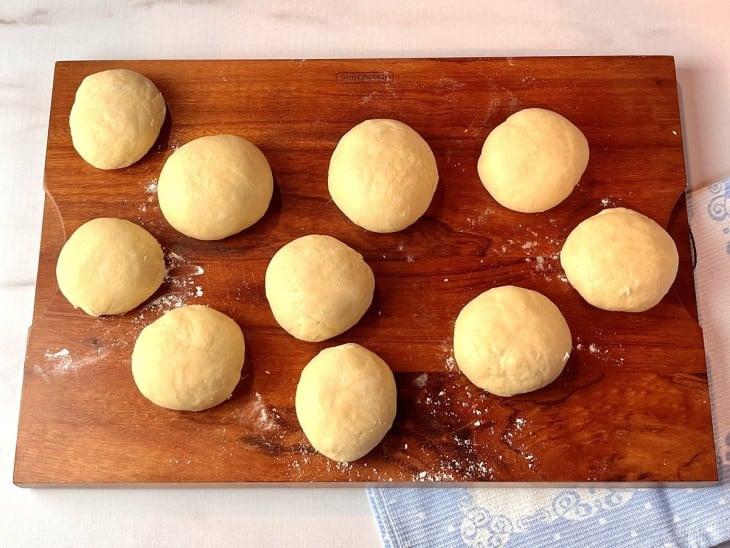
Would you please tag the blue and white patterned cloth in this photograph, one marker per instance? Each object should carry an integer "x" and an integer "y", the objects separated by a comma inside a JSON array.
[{"x": 471, "y": 517}]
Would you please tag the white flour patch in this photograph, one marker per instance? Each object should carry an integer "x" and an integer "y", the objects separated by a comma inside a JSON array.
[
  {"x": 262, "y": 415},
  {"x": 63, "y": 353},
  {"x": 267, "y": 417},
  {"x": 421, "y": 380},
  {"x": 446, "y": 345},
  {"x": 448, "y": 350},
  {"x": 62, "y": 361},
  {"x": 608, "y": 202},
  {"x": 150, "y": 189},
  {"x": 59, "y": 361},
  {"x": 38, "y": 370}
]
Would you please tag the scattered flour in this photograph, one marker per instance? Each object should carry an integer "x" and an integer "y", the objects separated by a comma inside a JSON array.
[
  {"x": 150, "y": 190},
  {"x": 162, "y": 304},
  {"x": 63, "y": 361},
  {"x": 267, "y": 416},
  {"x": 63, "y": 353},
  {"x": 608, "y": 202},
  {"x": 447, "y": 347},
  {"x": 421, "y": 380},
  {"x": 60, "y": 360},
  {"x": 179, "y": 286},
  {"x": 151, "y": 187},
  {"x": 259, "y": 413}
]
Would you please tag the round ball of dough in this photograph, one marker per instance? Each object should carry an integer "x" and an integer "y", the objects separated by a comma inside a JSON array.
[
  {"x": 318, "y": 287},
  {"x": 621, "y": 260},
  {"x": 116, "y": 118},
  {"x": 346, "y": 401},
  {"x": 510, "y": 340},
  {"x": 533, "y": 160},
  {"x": 189, "y": 359},
  {"x": 382, "y": 175},
  {"x": 215, "y": 186},
  {"x": 109, "y": 266}
]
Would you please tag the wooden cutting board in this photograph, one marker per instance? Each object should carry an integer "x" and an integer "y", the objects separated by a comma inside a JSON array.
[{"x": 631, "y": 406}]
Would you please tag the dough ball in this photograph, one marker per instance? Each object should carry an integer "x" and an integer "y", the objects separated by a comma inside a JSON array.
[
  {"x": 116, "y": 118},
  {"x": 189, "y": 359},
  {"x": 215, "y": 186},
  {"x": 346, "y": 401},
  {"x": 318, "y": 287},
  {"x": 382, "y": 175},
  {"x": 109, "y": 266},
  {"x": 621, "y": 260},
  {"x": 532, "y": 161},
  {"x": 510, "y": 340}
]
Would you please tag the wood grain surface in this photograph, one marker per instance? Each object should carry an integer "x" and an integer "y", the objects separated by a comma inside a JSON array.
[{"x": 632, "y": 405}]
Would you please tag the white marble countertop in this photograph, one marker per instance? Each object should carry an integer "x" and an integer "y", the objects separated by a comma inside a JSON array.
[{"x": 33, "y": 35}]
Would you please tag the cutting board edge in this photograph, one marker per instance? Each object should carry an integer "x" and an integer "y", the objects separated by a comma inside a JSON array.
[
  {"x": 61, "y": 62},
  {"x": 58, "y": 241},
  {"x": 385, "y": 485}
]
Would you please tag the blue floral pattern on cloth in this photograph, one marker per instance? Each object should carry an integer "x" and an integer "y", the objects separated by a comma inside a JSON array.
[
  {"x": 719, "y": 206},
  {"x": 667, "y": 517},
  {"x": 479, "y": 518}
]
